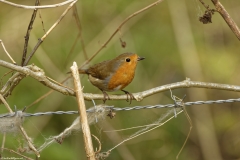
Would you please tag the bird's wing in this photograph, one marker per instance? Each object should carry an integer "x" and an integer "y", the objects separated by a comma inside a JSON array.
[{"x": 101, "y": 70}]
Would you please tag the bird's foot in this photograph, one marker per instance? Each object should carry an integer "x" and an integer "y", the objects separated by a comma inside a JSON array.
[
  {"x": 105, "y": 96},
  {"x": 130, "y": 98}
]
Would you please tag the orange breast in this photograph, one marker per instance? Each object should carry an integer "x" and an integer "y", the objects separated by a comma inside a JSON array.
[{"x": 122, "y": 77}]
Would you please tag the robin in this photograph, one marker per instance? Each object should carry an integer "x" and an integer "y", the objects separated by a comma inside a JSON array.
[{"x": 113, "y": 75}]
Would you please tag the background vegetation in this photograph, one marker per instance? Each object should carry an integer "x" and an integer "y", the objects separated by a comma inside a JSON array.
[{"x": 175, "y": 44}]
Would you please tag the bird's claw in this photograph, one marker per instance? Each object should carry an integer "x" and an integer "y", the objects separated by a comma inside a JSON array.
[
  {"x": 105, "y": 97},
  {"x": 130, "y": 98}
]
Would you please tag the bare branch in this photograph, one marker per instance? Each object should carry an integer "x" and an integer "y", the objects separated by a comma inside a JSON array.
[
  {"x": 99, "y": 143},
  {"x": 6, "y": 104},
  {"x": 3, "y": 142},
  {"x": 184, "y": 84},
  {"x": 11, "y": 84},
  {"x": 39, "y": 75},
  {"x": 7, "y": 52},
  {"x": 28, "y": 33},
  {"x": 230, "y": 22},
  {"x": 38, "y": 7},
  {"x": 30, "y": 144},
  {"x": 39, "y": 99}
]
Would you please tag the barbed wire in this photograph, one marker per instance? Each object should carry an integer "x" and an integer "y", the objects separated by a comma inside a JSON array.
[
  {"x": 108, "y": 108},
  {"x": 178, "y": 104}
]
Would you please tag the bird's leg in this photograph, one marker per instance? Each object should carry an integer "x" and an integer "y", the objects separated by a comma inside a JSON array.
[
  {"x": 131, "y": 97},
  {"x": 105, "y": 96}
]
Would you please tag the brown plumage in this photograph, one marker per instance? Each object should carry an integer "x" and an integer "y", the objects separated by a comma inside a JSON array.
[{"x": 113, "y": 75}]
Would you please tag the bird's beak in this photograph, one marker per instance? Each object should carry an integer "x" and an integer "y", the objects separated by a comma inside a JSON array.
[{"x": 140, "y": 58}]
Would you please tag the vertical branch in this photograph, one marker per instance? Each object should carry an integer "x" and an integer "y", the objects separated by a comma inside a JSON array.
[
  {"x": 83, "y": 115},
  {"x": 223, "y": 12},
  {"x": 28, "y": 33}
]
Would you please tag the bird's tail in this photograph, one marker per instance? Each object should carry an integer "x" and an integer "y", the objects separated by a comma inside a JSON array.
[{"x": 81, "y": 71}]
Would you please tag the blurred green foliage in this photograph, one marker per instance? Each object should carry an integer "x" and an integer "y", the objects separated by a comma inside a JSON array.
[{"x": 150, "y": 34}]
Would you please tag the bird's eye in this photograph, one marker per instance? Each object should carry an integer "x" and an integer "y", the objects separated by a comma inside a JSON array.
[{"x": 128, "y": 59}]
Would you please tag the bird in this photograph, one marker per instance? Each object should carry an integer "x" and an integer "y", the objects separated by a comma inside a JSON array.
[{"x": 113, "y": 75}]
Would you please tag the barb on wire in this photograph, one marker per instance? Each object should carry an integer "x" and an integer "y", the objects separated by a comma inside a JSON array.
[{"x": 11, "y": 122}]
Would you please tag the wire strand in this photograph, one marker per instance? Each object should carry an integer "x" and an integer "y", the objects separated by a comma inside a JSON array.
[{"x": 108, "y": 108}]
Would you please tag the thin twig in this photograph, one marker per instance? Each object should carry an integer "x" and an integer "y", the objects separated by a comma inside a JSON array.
[
  {"x": 47, "y": 33},
  {"x": 31, "y": 146},
  {"x": 5, "y": 74},
  {"x": 230, "y": 22},
  {"x": 206, "y": 6},
  {"x": 46, "y": 94},
  {"x": 40, "y": 16},
  {"x": 141, "y": 133},
  {"x": 189, "y": 121},
  {"x": 7, "y": 52},
  {"x": 6, "y": 104},
  {"x": 119, "y": 130},
  {"x": 72, "y": 49},
  {"x": 39, "y": 99},
  {"x": 75, "y": 14},
  {"x": 3, "y": 141},
  {"x": 37, "y": 7},
  {"x": 119, "y": 28},
  {"x": 11, "y": 84},
  {"x": 99, "y": 143},
  {"x": 28, "y": 33},
  {"x": 52, "y": 80},
  {"x": 82, "y": 112}
]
